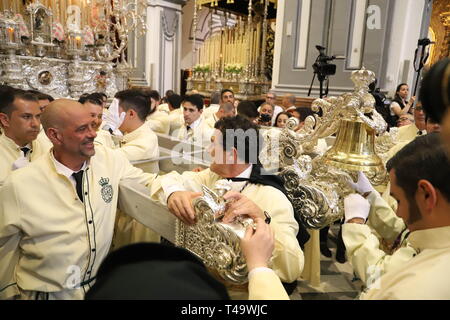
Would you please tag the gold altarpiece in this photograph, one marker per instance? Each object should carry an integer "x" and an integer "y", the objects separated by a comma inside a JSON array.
[{"x": 234, "y": 57}]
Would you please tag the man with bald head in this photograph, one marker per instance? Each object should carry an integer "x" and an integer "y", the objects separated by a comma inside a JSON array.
[
  {"x": 57, "y": 214},
  {"x": 225, "y": 110}
]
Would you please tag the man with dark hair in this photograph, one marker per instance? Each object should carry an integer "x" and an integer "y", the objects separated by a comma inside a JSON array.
[
  {"x": 248, "y": 110},
  {"x": 364, "y": 249},
  {"x": 423, "y": 196},
  {"x": 435, "y": 96},
  {"x": 44, "y": 99},
  {"x": 20, "y": 122},
  {"x": 157, "y": 120},
  {"x": 235, "y": 148},
  {"x": 227, "y": 95},
  {"x": 94, "y": 103},
  {"x": 194, "y": 129},
  {"x": 138, "y": 143},
  {"x": 175, "y": 117}
]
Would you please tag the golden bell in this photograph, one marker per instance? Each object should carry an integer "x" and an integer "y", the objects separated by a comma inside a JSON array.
[{"x": 354, "y": 148}]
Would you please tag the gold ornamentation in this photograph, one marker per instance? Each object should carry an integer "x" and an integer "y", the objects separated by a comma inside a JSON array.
[{"x": 317, "y": 187}]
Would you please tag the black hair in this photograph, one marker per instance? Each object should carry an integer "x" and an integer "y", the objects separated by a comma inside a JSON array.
[
  {"x": 243, "y": 132},
  {"x": 194, "y": 99},
  {"x": 169, "y": 93},
  {"x": 9, "y": 94},
  {"x": 304, "y": 112},
  {"x": 435, "y": 90},
  {"x": 174, "y": 100},
  {"x": 41, "y": 96},
  {"x": 225, "y": 90},
  {"x": 93, "y": 98},
  {"x": 281, "y": 113},
  {"x": 135, "y": 100},
  {"x": 151, "y": 94},
  {"x": 397, "y": 97},
  {"x": 424, "y": 158},
  {"x": 247, "y": 109}
]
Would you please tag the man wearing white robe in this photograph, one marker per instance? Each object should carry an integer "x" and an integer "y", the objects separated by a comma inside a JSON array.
[
  {"x": 20, "y": 122},
  {"x": 53, "y": 240}
]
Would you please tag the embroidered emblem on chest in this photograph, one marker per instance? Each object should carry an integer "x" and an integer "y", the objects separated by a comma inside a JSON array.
[{"x": 107, "y": 190}]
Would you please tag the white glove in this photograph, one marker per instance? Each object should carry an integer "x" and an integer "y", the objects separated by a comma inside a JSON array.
[
  {"x": 355, "y": 206},
  {"x": 20, "y": 163},
  {"x": 111, "y": 119},
  {"x": 363, "y": 185}
]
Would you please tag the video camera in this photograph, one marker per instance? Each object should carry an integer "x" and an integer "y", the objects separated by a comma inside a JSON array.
[{"x": 322, "y": 67}]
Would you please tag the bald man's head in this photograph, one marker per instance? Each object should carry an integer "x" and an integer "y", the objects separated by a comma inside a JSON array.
[
  {"x": 70, "y": 127},
  {"x": 58, "y": 112}
]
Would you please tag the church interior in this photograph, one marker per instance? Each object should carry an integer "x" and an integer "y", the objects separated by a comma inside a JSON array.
[{"x": 344, "y": 105}]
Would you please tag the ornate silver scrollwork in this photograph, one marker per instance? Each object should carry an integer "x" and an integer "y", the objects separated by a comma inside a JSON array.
[{"x": 217, "y": 244}]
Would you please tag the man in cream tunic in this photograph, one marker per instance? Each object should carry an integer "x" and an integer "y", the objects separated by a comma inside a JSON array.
[
  {"x": 138, "y": 143},
  {"x": 364, "y": 249},
  {"x": 194, "y": 129},
  {"x": 53, "y": 240},
  {"x": 225, "y": 110},
  {"x": 423, "y": 197},
  {"x": 287, "y": 258},
  {"x": 20, "y": 123}
]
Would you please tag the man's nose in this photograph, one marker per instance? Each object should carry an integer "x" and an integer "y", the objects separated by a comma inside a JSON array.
[
  {"x": 35, "y": 122},
  {"x": 92, "y": 133}
]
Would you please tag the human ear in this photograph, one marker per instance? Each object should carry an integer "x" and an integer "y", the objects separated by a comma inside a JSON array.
[
  {"x": 426, "y": 195},
  {"x": 53, "y": 136},
  {"x": 4, "y": 120}
]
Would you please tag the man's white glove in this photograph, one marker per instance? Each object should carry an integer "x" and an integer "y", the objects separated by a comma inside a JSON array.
[
  {"x": 363, "y": 185},
  {"x": 20, "y": 163},
  {"x": 112, "y": 120},
  {"x": 355, "y": 206}
]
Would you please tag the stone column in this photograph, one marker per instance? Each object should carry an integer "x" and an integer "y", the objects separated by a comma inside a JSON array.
[{"x": 156, "y": 56}]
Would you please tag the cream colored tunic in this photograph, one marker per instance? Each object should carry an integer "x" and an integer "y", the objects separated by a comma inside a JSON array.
[
  {"x": 210, "y": 111},
  {"x": 287, "y": 258},
  {"x": 265, "y": 285},
  {"x": 104, "y": 138},
  {"x": 159, "y": 122},
  {"x": 10, "y": 152},
  {"x": 50, "y": 241},
  {"x": 201, "y": 133},
  {"x": 211, "y": 121},
  {"x": 364, "y": 251},
  {"x": 176, "y": 120},
  {"x": 425, "y": 276},
  {"x": 141, "y": 144},
  {"x": 408, "y": 133}
]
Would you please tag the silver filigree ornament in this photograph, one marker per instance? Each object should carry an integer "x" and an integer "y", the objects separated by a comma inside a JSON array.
[
  {"x": 216, "y": 243},
  {"x": 317, "y": 193}
]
